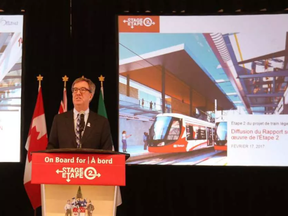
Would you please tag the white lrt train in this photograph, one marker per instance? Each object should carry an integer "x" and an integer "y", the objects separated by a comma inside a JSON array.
[{"x": 172, "y": 132}]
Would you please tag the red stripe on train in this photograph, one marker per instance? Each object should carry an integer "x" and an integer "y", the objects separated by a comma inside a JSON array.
[
  {"x": 170, "y": 148},
  {"x": 220, "y": 148}
]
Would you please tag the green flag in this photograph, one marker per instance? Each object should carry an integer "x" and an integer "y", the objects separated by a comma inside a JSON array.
[
  {"x": 101, "y": 104},
  {"x": 102, "y": 112},
  {"x": 102, "y": 108}
]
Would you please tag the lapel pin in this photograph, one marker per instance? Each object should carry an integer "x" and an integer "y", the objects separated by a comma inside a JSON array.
[{"x": 88, "y": 124}]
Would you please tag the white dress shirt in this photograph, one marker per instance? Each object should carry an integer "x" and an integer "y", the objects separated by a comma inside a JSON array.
[{"x": 86, "y": 115}]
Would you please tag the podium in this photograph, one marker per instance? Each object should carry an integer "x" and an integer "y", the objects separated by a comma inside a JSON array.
[{"x": 78, "y": 182}]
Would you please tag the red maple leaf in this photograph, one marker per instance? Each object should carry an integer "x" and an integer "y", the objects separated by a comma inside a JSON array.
[{"x": 36, "y": 144}]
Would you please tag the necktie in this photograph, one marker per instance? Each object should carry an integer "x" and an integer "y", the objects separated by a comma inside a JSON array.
[{"x": 78, "y": 137}]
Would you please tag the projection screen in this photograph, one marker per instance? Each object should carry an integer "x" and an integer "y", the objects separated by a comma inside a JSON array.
[
  {"x": 11, "y": 38},
  {"x": 204, "y": 90}
]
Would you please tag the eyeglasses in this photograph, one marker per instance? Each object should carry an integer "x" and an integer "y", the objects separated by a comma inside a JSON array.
[{"x": 82, "y": 90}]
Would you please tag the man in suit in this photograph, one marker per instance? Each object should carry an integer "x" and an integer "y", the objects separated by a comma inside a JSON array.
[{"x": 65, "y": 131}]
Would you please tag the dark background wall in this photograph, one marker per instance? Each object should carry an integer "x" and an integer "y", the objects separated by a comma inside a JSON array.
[{"x": 91, "y": 50}]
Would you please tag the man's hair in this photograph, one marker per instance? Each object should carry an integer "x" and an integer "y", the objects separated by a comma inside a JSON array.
[{"x": 92, "y": 86}]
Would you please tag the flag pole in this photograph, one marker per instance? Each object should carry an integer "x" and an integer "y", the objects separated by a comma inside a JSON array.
[
  {"x": 39, "y": 78},
  {"x": 63, "y": 103},
  {"x": 65, "y": 79},
  {"x": 101, "y": 79}
]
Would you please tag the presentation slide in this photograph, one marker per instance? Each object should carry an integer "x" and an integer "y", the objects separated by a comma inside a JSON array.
[
  {"x": 204, "y": 90},
  {"x": 11, "y": 39}
]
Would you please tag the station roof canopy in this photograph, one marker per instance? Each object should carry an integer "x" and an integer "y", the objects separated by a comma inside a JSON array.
[{"x": 182, "y": 73}]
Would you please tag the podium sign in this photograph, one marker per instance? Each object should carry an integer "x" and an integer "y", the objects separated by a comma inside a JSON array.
[{"x": 78, "y": 169}]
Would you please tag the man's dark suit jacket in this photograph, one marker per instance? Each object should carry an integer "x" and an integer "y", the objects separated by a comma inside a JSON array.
[{"x": 96, "y": 133}]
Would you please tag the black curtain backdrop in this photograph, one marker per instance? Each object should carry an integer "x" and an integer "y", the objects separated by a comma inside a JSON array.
[
  {"x": 46, "y": 46},
  {"x": 91, "y": 50},
  {"x": 94, "y": 44}
]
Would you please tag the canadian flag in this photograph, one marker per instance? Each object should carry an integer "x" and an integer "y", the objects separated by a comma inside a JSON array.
[
  {"x": 37, "y": 140},
  {"x": 63, "y": 104}
]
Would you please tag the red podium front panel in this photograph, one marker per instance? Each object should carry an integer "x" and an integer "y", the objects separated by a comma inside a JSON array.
[{"x": 78, "y": 169}]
